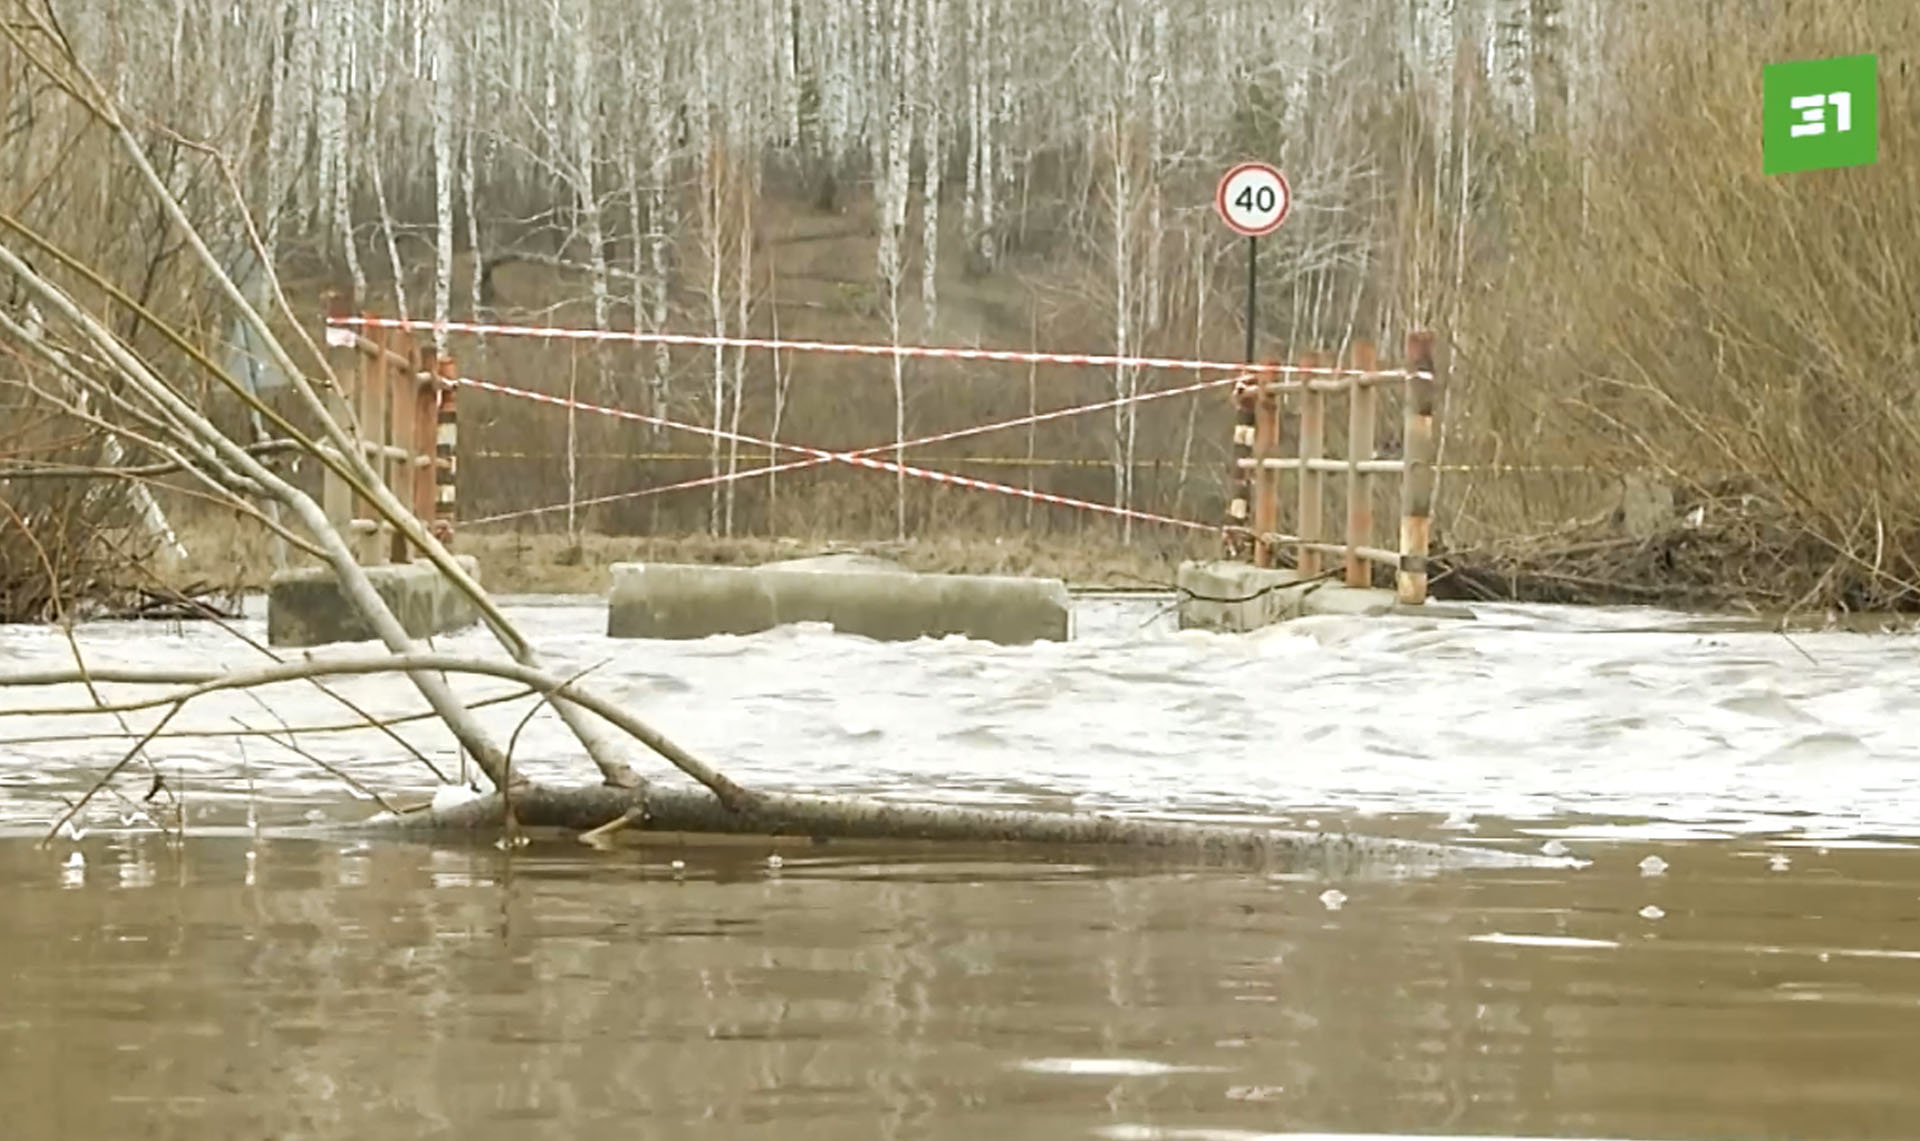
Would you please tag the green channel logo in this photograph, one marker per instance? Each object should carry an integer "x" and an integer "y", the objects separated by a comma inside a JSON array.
[{"x": 1821, "y": 114}]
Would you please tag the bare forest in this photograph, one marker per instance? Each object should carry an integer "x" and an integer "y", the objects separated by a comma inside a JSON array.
[{"x": 1568, "y": 191}]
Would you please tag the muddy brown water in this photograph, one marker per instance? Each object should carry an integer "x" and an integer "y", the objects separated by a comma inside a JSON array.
[{"x": 1741, "y": 958}]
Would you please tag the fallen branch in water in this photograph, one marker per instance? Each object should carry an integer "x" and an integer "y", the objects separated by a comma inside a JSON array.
[
  {"x": 723, "y": 807},
  {"x": 369, "y": 723},
  {"x": 199, "y": 683},
  {"x": 600, "y": 810}
]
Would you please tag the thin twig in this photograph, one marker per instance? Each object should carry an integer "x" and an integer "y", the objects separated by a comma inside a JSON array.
[
  {"x": 292, "y": 745},
  {"x": 199, "y": 683},
  {"x": 137, "y": 750}
]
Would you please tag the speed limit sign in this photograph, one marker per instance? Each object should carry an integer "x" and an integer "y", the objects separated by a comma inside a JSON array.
[{"x": 1253, "y": 199}]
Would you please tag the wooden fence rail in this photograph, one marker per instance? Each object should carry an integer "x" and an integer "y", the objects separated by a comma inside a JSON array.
[
  {"x": 1260, "y": 460},
  {"x": 397, "y": 402}
]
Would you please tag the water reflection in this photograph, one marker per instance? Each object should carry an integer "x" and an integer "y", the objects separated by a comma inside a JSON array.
[{"x": 232, "y": 987}]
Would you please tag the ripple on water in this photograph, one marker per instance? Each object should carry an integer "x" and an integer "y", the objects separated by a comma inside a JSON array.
[{"x": 1816, "y": 747}]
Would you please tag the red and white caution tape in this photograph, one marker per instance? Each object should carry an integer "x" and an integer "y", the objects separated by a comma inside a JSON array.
[
  {"x": 859, "y": 458},
  {"x": 926, "y": 352}
]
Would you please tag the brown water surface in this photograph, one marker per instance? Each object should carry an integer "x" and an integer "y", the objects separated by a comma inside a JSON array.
[
  {"x": 1764, "y": 983},
  {"x": 234, "y": 987}
]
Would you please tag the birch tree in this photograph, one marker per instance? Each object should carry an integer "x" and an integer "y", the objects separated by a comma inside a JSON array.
[
  {"x": 443, "y": 84},
  {"x": 1124, "y": 60},
  {"x": 743, "y": 132},
  {"x": 662, "y": 215},
  {"x": 336, "y": 155},
  {"x": 933, "y": 136},
  {"x": 711, "y": 146},
  {"x": 893, "y": 218},
  {"x": 574, "y": 28}
]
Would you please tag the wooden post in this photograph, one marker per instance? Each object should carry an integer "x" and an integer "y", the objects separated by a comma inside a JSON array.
[
  {"x": 403, "y": 427},
  {"x": 426, "y": 417},
  {"x": 345, "y": 362},
  {"x": 1313, "y": 484},
  {"x": 446, "y": 455},
  {"x": 1239, "y": 479},
  {"x": 369, "y": 413},
  {"x": 1266, "y": 481},
  {"x": 1362, "y": 408},
  {"x": 1417, "y": 482}
]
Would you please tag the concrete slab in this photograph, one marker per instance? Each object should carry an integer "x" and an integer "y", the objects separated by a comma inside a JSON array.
[
  {"x": 856, "y": 594},
  {"x": 1234, "y": 598},
  {"x": 305, "y": 607}
]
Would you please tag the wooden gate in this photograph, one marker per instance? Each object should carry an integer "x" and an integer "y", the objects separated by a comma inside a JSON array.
[
  {"x": 1260, "y": 459},
  {"x": 397, "y": 401}
]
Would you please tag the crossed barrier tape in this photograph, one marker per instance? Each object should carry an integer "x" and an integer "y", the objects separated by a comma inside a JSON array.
[
  {"x": 1244, "y": 376},
  {"x": 859, "y": 458}
]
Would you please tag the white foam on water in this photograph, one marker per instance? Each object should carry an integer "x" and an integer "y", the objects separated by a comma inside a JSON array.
[
  {"x": 1530, "y": 712},
  {"x": 1506, "y": 940},
  {"x": 1109, "y": 1067}
]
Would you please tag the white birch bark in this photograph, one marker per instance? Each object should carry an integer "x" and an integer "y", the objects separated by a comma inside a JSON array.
[
  {"x": 630, "y": 143},
  {"x": 743, "y": 301},
  {"x": 787, "y": 31},
  {"x": 974, "y": 64},
  {"x": 1156, "y": 132},
  {"x": 338, "y": 158},
  {"x": 933, "y": 139},
  {"x": 893, "y": 203},
  {"x": 582, "y": 128},
  {"x": 444, "y": 174},
  {"x": 782, "y": 379},
  {"x": 1001, "y": 51},
  {"x": 470, "y": 194},
  {"x": 662, "y": 216},
  {"x": 378, "y": 81},
  {"x": 835, "y": 73},
  {"x": 713, "y": 155},
  {"x": 1124, "y": 80},
  {"x": 989, "y": 127},
  {"x": 291, "y": 116}
]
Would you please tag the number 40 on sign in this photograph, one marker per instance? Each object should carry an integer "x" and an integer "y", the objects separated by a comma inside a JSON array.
[{"x": 1253, "y": 199}]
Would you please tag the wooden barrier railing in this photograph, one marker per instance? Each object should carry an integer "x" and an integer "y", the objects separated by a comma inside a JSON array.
[
  {"x": 1260, "y": 460},
  {"x": 398, "y": 403}
]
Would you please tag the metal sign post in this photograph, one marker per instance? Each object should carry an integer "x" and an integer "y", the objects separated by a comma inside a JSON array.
[{"x": 1253, "y": 199}]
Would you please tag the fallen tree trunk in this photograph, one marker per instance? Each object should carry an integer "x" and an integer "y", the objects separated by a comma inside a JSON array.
[
  {"x": 667, "y": 810},
  {"x": 820, "y": 819}
]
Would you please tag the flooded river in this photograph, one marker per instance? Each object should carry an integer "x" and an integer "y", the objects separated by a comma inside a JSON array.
[{"x": 1740, "y": 959}]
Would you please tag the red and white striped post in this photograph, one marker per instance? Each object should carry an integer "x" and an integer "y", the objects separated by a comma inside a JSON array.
[{"x": 446, "y": 452}]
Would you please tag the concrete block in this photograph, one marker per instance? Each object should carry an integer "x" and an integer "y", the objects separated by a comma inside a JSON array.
[
  {"x": 1234, "y": 598},
  {"x": 305, "y": 606},
  {"x": 857, "y": 594}
]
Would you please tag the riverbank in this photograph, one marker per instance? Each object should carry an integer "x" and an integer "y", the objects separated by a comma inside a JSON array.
[
  {"x": 523, "y": 563},
  {"x": 1735, "y": 547},
  {"x": 1733, "y": 550}
]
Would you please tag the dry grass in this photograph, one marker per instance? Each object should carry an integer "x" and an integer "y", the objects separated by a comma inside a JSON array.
[
  {"x": 236, "y": 557},
  {"x": 1655, "y": 302}
]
